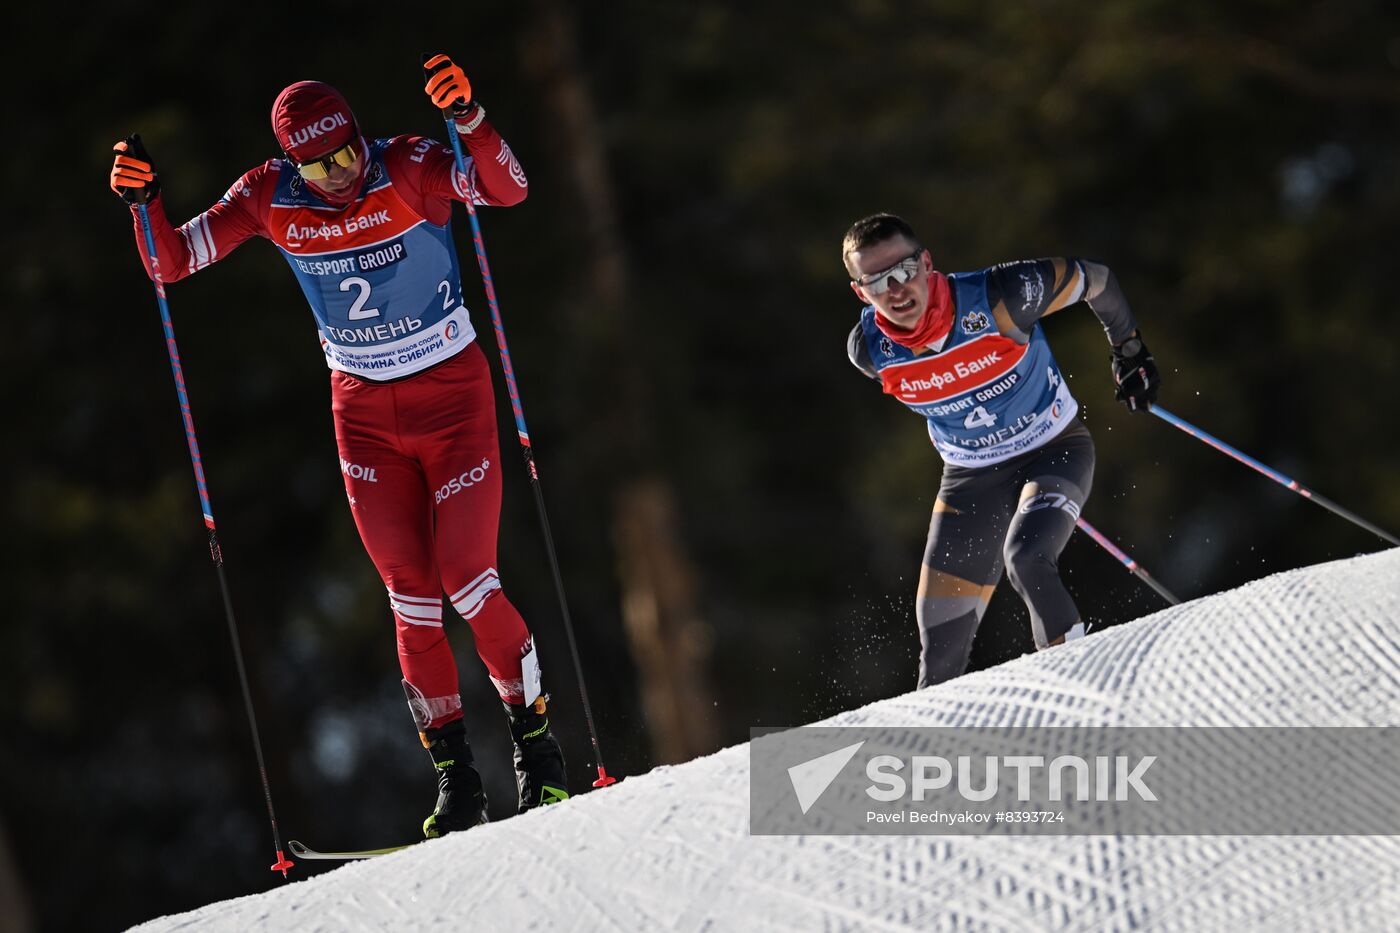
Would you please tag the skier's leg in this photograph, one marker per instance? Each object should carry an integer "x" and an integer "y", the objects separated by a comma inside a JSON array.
[
  {"x": 462, "y": 461},
  {"x": 962, "y": 564},
  {"x": 392, "y": 506},
  {"x": 949, "y": 609},
  {"x": 1058, "y": 483},
  {"x": 390, "y": 503},
  {"x": 461, "y": 802}
]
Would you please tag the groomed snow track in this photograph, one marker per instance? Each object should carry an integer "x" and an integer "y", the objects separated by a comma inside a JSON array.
[{"x": 670, "y": 850}]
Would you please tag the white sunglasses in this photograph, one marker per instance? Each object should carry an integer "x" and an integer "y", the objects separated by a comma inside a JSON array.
[{"x": 897, "y": 274}]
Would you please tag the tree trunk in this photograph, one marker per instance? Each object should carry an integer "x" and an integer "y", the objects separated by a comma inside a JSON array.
[
  {"x": 667, "y": 635},
  {"x": 15, "y": 915},
  {"x": 670, "y": 641}
]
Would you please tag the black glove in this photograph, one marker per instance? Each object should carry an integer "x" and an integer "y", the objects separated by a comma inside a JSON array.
[
  {"x": 133, "y": 172},
  {"x": 1135, "y": 374}
]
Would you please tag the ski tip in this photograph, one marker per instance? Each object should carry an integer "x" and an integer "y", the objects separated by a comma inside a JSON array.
[{"x": 301, "y": 850}]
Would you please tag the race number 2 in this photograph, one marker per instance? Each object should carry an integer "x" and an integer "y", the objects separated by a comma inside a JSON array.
[{"x": 358, "y": 311}]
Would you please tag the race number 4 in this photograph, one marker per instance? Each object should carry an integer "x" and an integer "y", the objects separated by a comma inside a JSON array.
[{"x": 979, "y": 417}]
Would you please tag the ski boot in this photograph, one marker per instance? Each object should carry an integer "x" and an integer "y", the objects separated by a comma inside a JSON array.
[
  {"x": 461, "y": 802},
  {"x": 539, "y": 761}
]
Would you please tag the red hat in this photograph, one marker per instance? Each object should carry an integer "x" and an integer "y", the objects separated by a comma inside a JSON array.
[{"x": 311, "y": 119}]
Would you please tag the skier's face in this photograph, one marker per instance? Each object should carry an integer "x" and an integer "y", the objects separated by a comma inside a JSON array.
[
  {"x": 901, "y": 303},
  {"x": 338, "y": 178}
]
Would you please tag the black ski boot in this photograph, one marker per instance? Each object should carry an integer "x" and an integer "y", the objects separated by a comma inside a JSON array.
[
  {"x": 539, "y": 761},
  {"x": 461, "y": 802}
]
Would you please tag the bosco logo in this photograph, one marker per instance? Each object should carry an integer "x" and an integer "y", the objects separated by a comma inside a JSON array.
[{"x": 467, "y": 480}]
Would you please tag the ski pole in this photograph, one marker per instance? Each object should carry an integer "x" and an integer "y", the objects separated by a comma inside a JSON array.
[
  {"x": 1274, "y": 475},
  {"x": 215, "y": 552},
  {"x": 524, "y": 434},
  {"x": 1126, "y": 561}
]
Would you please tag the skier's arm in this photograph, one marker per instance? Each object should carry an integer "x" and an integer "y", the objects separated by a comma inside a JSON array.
[
  {"x": 1134, "y": 370},
  {"x": 1023, "y": 292},
  {"x": 494, "y": 176},
  {"x": 202, "y": 240},
  {"x": 859, "y": 353},
  {"x": 198, "y": 242},
  {"x": 1106, "y": 299}
]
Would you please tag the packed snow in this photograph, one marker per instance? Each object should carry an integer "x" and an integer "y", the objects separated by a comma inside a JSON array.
[{"x": 671, "y": 850}]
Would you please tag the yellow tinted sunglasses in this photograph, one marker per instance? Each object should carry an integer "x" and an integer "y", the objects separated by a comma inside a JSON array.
[{"x": 317, "y": 169}]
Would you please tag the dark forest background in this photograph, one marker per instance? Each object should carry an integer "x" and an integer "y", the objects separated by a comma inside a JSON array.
[{"x": 739, "y": 514}]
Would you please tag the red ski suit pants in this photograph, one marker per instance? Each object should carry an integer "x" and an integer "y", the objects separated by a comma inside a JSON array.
[{"x": 422, "y": 471}]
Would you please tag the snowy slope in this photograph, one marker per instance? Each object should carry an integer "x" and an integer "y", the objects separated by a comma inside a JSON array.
[{"x": 671, "y": 849}]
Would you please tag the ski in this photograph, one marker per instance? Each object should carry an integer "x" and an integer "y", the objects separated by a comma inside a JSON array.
[{"x": 301, "y": 850}]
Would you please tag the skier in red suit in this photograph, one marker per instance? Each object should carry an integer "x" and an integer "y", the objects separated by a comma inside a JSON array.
[{"x": 365, "y": 226}]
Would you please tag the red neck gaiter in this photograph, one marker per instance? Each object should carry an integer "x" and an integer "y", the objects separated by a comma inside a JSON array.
[{"x": 936, "y": 322}]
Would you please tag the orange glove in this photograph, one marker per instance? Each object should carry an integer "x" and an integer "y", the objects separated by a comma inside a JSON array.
[
  {"x": 133, "y": 173},
  {"x": 448, "y": 87}
]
